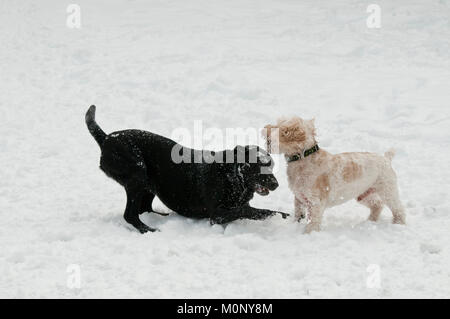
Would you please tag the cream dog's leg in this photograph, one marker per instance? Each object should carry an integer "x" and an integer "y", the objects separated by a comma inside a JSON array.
[
  {"x": 388, "y": 191},
  {"x": 300, "y": 209},
  {"x": 396, "y": 207},
  {"x": 374, "y": 202},
  {"x": 316, "y": 214}
]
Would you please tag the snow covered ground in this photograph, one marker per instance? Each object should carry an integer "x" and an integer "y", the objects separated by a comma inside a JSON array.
[{"x": 162, "y": 65}]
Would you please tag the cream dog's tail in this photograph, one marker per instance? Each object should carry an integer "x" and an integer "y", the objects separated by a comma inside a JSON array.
[{"x": 390, "y": 154}]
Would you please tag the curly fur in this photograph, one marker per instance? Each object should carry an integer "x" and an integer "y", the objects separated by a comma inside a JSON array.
[{"x": 323, "y": 180}]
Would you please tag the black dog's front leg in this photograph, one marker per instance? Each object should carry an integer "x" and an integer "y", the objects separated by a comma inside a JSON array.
[
  {"x": 258, "y": 214},
  {"x": 224, "y": 216}
]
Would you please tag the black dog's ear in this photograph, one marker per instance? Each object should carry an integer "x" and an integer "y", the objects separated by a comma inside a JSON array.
[
  {"x": 260, "y": 151},
  {"x": 256, "y": 154},
  {"x": 261, "y": 155},
  {"x": 251, "y": 154}
]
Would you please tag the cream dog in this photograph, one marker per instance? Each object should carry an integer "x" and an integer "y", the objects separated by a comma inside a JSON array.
[{"x": 320, "y": 180}]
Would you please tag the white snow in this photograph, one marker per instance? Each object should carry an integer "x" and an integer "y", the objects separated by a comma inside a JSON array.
[{"x": 162, "y": 65}]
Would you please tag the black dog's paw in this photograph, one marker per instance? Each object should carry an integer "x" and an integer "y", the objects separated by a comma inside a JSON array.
[
  {"x": 144, "y": 228},
  {"x": 284, "y": 215}
]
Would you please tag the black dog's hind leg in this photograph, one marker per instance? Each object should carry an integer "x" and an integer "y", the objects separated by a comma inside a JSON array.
[
  {"x": 134, "y": 203},
  {"x": 123, "y": 161},
  {"x": 146, "y": 204}
]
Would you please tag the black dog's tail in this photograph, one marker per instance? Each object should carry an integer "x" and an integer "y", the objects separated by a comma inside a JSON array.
[{"x": 93, "y": 127}]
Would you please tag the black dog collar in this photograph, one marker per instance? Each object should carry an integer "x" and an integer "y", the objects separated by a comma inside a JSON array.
[{"x": 306, "y": 153}]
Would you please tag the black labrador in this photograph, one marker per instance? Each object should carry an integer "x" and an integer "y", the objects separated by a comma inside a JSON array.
[{"x": 193, "y": 183}]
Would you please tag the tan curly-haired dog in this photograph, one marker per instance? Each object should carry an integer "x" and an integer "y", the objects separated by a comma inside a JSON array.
[{"x": 320, "y": 180}]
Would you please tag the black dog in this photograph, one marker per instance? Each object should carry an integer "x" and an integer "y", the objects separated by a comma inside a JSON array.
[{"x": 147, "y": 164}]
